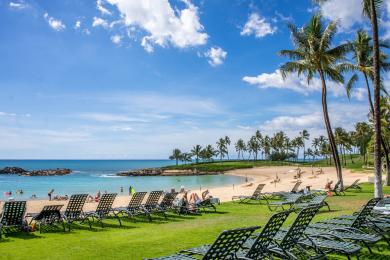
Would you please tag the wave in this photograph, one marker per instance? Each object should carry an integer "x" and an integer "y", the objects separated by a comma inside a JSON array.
[{"x": 109, "y": 176}]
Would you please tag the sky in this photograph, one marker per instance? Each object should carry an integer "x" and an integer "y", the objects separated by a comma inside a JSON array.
[{"x": 130, "y": 79}]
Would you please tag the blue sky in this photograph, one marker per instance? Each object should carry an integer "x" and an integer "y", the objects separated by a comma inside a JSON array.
[{"x": 134, "y": 79}]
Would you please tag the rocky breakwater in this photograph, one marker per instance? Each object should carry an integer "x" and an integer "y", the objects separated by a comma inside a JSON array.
[
  {"x": 43, "y": 172},
  {"x": 165, "y": 172}
]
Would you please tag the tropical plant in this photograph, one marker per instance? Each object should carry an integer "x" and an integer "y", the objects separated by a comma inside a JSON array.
[
  {"x": 222, "y": 148},
  {"x": 315, "y": 55},
  {"x": 186, "y": 157},
  {"x": 196, "y": 151},
  {"x": 304, "y": 136},
  {"x": 253, "y": 147},
  {"x": 227, "y": 143},
  {"x": 176, "y": 155},
  {"x": 240, "y": 148}
]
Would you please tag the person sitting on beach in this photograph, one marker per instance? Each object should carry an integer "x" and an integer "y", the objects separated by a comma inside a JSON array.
[{"x": 97, "y": 197}]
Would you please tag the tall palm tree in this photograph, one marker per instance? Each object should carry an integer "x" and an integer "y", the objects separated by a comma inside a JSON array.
[
  {"x": 227, "y": 143},
  {"x": 176, "y": 155},
  {"x": 196, "y": 150},
  {"x": 362, "y": 54},
  {"x": 304, "y": 136},
  {"x": 259, "y": 137},
  {"x": 240, "y": 148},
  {"x": 371, "y": 9},
  {"x": 221, "y": 148},
  {"x": 314, "y": 55}
]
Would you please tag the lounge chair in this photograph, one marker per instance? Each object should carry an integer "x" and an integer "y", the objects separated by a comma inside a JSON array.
[
  {"x": 13, "y": 216},
  {"x": 278, "y": 194},
  {"x": 257, "y": 195},
  {"x": 225, "y": 246},
  {"x": 353, "y": 186},
  {"x": 74, "y": 210},
  {"x": 104, "y": 209},
  {"x": 207, "y": 204},
  {"x": 134, "y": 207},
  {"x": 48, "y": 217},
  {"x": 289, "y": 200},
  {"x": 152, "y": 204},
  {"x": 167, "y": 201},
  {"x": 315, "y": 199},
  {"x": 258, "y": 247},
  {"x": 285, "y": 244},
  {"x": 337, "y": 190}
]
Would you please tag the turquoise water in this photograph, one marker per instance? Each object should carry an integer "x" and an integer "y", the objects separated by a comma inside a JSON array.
[{"x": 90, "y": 176}]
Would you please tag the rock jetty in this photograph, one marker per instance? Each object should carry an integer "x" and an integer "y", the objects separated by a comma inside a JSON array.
[
  {"x": 44, "y": 172},
  {"x": 164, "y": 172}
]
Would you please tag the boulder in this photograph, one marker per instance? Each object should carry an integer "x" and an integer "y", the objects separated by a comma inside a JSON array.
[{"x": 12, "y": 170}]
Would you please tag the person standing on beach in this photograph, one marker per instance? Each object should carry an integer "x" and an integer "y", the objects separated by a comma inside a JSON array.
[{"x": 50, "y": 193}]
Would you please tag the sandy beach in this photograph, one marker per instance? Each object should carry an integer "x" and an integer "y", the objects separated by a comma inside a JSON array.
[{"x": 255, "y": 176}]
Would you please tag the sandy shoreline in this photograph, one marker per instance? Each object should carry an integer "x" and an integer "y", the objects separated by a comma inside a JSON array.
[{"x": 255, "y": 176}]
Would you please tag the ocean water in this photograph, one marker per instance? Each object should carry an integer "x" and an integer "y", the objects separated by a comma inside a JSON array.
[{"x": 91, "y": 176}]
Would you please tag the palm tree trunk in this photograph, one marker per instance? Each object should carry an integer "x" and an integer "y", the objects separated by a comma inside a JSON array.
[
  {"x": 377, "y": 115},
  {"x": 385, "y": 149},
  {"x": 330, "y": 132}
]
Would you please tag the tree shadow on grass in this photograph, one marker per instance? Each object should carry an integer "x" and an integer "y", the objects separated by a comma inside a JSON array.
[{"x": 19, "y": 235}]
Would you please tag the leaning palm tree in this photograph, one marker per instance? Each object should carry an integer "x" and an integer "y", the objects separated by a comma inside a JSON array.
[
  {"x": 315, "y": 55},
  {"x": 240, "y": 148},
  {"x": 227, "y": 143},
  {"x": 196, "y": 151}
]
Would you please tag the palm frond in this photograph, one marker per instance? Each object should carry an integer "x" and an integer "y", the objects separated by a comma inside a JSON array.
[
  {"x": 350, "y": 84},
  {"x": 292, "y": 54}
]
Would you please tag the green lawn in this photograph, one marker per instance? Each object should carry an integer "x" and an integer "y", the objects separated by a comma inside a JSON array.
[
  {"x": 219, "y": 166},
  {"x": 143, "y": 239}
]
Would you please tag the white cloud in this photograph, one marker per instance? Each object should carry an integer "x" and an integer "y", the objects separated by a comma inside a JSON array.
[
  {"x": 164, "y": 25},
  {"x": 18, "y": 5},
  {"x": 97, "y": 21},
  {"x": 54, "y": 23},
  {"x": 107, "y": 117},
  {"x": 348, "y": 12},
  {"x": 216, "y": 56},
  {"x": 101, "y": 8},
  {"x": 258, "y": 26},
  {"x": 293, "y": 82},
  {"x": 359, "y": 94},
  {"x": 116, "y": 39},
  {"x": 77, "y": 25}
]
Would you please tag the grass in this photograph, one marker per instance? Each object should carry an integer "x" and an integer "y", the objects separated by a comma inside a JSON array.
[
  {"x": 143, "y": 239},
  {"x": 356, "y": 164}
]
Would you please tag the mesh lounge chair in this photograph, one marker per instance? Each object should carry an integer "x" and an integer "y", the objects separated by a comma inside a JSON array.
[
  {"x": 152, "y": 204},
  {"x": 337, "y": 190},
  {"x": 258, "y": 247},
  {"x": 104, "y": 209},
  {"x": 224, "y": 247},
  {"x": 134, "y": 207},
  {"x": 353, "y": 186},
  {"x": 167, "y": 201},
  {"x": 285, "y": 244},
  {"x": 74, "y": 210},
  {"x": 278, "y": 194},
  {"x": 316, "y": 199},
  {"x": 48, "y": 217},
  {"x": 13, "y": 216},
  {"x": 257, "y": 195},
  {"x": 289, "y": 201},
  {"x": 206, "y": 204}
]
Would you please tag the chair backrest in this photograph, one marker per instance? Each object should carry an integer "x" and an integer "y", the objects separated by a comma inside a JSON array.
[
  {"x": 317, "y": 199},
  {"x": 293, "y": 197},
  {"x": 296, "y": 186},
  {"x": 75, "y": 205},
  {"x": 259, "y": 247},
  {"x": 258, "y": 190},
  {"x": 296, "y": 230},
  {"x": 154, "y": 197},
  {"x": 13, "y": 213},
  {"x": 365, "y": 212},
  {"x": 168, "y": 199},
  {"x": 105, "y": 203},
  {"x": 336, "y": 186},
  {"x": 228, "y": 243},
  {"x": 136, "y": 199},
  {"x": 49, "y": 213}
]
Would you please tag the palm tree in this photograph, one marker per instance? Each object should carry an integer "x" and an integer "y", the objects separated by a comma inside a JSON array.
[
  {"x": 240, "y": 148},
  {"x": 176, "y": 155},
  {"x": 304, "y": 136},
  {"x": 314, "y": 55},
  {"x": 221, "y": 148},
  {"x": 186, "y": 157},
  {"x": 371, "y": 9},
  {"x": 253, "y": 147},
  {"x": 363, "y": 134},
  {"x": 227, "y": 143},
  {"x": 196, "y": 150},
  {"x": 362, "y": 54}
]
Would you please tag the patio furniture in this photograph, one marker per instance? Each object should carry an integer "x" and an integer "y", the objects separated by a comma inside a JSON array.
[{"x": 13, "y": 216}]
